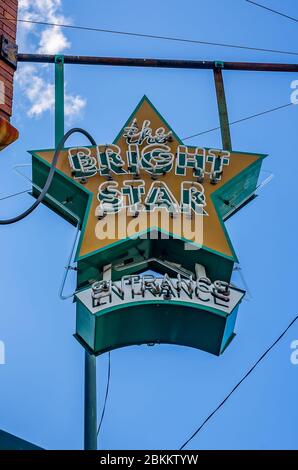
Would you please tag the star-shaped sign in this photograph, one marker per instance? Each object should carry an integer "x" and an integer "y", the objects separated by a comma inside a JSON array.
[{"x": 147, "y": 168}]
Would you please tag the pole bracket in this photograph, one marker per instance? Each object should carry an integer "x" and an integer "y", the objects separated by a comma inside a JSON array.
[
  {"x": 8, "y": 51},
  {"x": 218, "y": 64},
  {"x": 59, "y": 59}
]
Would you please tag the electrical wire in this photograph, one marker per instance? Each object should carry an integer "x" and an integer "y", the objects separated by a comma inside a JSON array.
[
  {"x": 50, "y": 177},
  {"x": 273, "y": 11},
  {"x": 239, "y": 383},
  {"x": 15, "y": 194},
  {"x": 239, "y": 120},
  {"x": 151, "y": 36},
  {"x": 106, "y": 394}
]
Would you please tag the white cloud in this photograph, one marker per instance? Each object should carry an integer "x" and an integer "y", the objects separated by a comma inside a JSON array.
[
  {"x": 41, "y": 94},
  {"x": 53, "y": 41},
  {"x": 74, "y": 105},
  {"x": 34, "y": 81}
]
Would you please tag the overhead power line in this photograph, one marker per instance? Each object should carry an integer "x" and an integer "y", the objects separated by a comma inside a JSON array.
[
  {"x": 239, "y": 383},
  {"x": 15, "y": 194},
  {"x": 239, "y": 120},
  {"x": 152, "y": 36},
  {"x": 273, "y": 11}
]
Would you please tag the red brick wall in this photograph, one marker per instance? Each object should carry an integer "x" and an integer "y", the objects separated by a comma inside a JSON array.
[{"x": 9, "y": 10}]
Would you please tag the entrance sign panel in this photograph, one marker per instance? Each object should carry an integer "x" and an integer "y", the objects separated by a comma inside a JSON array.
[
  {"x": 139, "y": 310},
  {"x": 105, "y": 295}
]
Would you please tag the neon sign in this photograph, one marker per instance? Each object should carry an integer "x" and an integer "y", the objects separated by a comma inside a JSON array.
[
  {"x": 105, "y": 295},
  {"x": 154, "y": 159}
]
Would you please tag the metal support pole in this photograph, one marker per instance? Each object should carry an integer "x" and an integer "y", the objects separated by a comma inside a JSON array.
[
  {"x": 162, "y": 63},
  {"x": 59, "y": 98},
  {"x": 222, "y": 109},
  {"x": 90, "y": 418},
  {"x": 90, "y": 436}
]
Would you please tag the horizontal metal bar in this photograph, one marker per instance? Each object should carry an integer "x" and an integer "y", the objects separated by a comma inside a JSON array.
[{"x": 161, "y": 63}]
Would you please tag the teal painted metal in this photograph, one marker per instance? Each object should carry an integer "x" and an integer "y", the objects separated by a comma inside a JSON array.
[
  {"x": 217, "y": 267},
  {"x": 90, "y": 415},
  {"x": 62, "y": 190},
  {"x": 11, "y": 442},
  {"x": 59, "y": 98},
  {"x": 163, "y": 322},
  {"x": 229, "y": 198}
]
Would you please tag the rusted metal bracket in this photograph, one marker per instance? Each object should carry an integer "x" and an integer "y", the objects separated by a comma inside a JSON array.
[
  {"x": 222, "y": 106},
  {"x": 218, "y": 64},
  {"x": 8, "y": 51}
]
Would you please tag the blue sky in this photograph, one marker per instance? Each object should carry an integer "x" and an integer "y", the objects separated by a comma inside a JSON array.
[{"x": 158, "y": 395}]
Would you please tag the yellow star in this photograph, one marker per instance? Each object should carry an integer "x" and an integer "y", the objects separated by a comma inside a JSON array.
[{"x": 234, "y": 187}]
